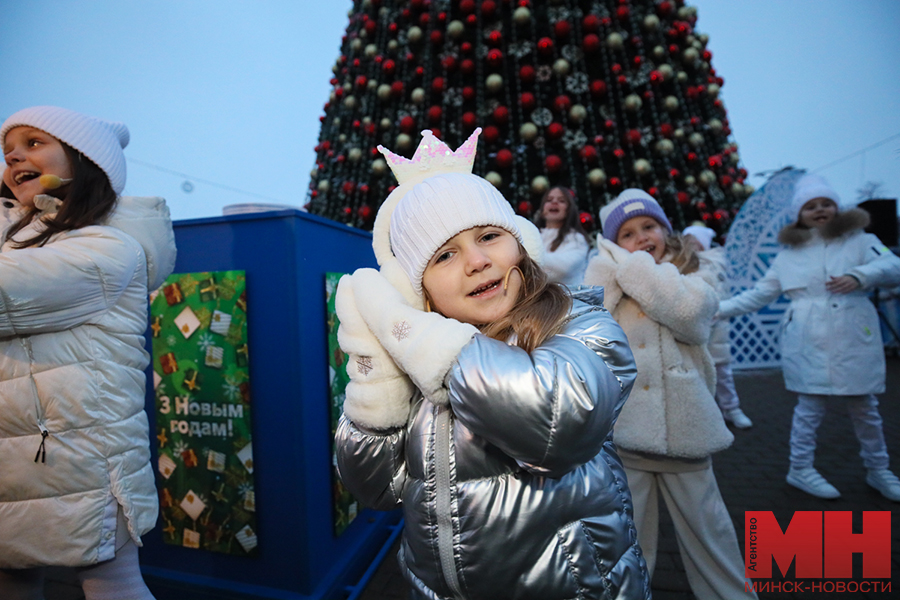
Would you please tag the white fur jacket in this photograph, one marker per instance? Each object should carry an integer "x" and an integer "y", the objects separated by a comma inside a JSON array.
[{"x": 666, "y": 317}]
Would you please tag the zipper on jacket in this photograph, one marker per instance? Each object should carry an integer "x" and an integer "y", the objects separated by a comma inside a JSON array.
[
  {"x": 42, "y": 450},
  {"x": 443, "y": 499}
]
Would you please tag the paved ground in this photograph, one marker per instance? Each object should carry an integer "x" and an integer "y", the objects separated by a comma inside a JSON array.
[{"x": 751, "y": 477}]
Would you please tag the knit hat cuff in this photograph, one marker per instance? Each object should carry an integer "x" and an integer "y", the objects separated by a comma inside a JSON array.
[{"x": 629, "y": 204}]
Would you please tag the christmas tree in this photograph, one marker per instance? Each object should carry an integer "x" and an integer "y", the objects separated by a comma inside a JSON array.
[{"x": 597, "y": 96}]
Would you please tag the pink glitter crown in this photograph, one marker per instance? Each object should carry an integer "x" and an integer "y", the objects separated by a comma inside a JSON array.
[{"x": 432, "y": 157}]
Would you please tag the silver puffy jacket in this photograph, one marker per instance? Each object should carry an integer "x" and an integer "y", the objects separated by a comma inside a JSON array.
[{"x": 515, "y": 490}]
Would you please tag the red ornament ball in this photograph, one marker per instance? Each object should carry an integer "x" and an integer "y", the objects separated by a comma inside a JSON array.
[
  {"x": 591, "y": 23},
  {"x": 490, "y": 134},
  {"x": 469, "y": 120},
  {"x": 437, "y": 85},
  {"x": 504, "y": 159},
  {"x": 553, "y": 163},
  {"x": 397, "y": 88},
  {"x": 347, "y": 211},
  {"x": 545, "y": 46},
  {"x": 591, "y": 43},
  {"x": 388, "y": 66},
  {"x": 407, "y": 124},
  {"x": 692, "y": 157},
  {"x": 615, "y": 182},
  {"x": 526, "y": 74},
  {"x": 365, "y": 212},
  {"x": 495, "y": 38},
  {"x": 466, "y": 6},
  {"x": 467, "y": 66},
  {"x": 524, "y": 208},
  {"x": 562, "y": 29},
  {"x": 468, "y": 93},
  {"x": 684, "y": 198},
  {"x": 488, "y": 9},
  {"x": 349, "y": 187},
  {"x": 587, "y": 220},
  {"x": 495, "y": 57},
  {"x": 633, "y": 136},
  {"x": 622, "y": 13},
  {"x": 666, "y": 130},
  {"x": 435, "y": 113},
  {"x": 449, "y": 63},
  {"x": 555, "y": 131},
  {"x": 588, "y": 154},
  {"x": 619, "y": 153},
  {"x": 501, "y": 115},
  {"x": 562, "y": 103},
  {"x": 526, "y": 99},
  {"x": 598, "y": 88}
]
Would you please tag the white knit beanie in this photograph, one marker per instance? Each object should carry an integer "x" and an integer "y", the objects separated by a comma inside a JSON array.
[
  {"x": 101, "y": 141},
  {"x": 702, "y": 234},
  {"x": 627, "y": 205},
  {"x": 437, "y": 209},
  {"x": 808, "y": 188}
]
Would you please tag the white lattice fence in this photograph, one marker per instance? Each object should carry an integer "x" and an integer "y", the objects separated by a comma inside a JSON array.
[{"x": 750, "y": 247}]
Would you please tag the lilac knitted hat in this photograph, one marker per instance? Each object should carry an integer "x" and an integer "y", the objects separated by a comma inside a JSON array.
[
  {"x": 101, "y": 141},
  {"x": 630, "y": 203}
]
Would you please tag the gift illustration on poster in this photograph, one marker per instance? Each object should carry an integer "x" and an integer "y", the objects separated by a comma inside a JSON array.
[
  {"x": 203, "y": 424},
  {"x": 345, "y": 505}
]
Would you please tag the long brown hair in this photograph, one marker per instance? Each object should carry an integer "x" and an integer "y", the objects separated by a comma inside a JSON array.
[
  {"x": 539, "y": 312},
  {"x": 683, "y": 255},
  {"x": 572, "y": 222},
  {"x": 89, "y": 199}
]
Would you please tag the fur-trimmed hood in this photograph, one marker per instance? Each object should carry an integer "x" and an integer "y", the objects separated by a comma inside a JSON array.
[{"x": 843, "y": 223}]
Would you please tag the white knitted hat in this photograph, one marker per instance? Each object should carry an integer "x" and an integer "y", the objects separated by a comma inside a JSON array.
[
  {"x": 101, "y": 141},
  {"x": 809, "y": 187},
  {"x": 702, "y": 234},
  {"x": 437, "y": 209}
]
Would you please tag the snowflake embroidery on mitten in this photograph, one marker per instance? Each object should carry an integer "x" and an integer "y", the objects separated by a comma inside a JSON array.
[
  {"x": 401, "y": 330},
  {"x": 364, "y": 364}
]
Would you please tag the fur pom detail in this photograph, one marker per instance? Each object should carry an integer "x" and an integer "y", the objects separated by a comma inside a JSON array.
[{"x": 844, "y": 222}]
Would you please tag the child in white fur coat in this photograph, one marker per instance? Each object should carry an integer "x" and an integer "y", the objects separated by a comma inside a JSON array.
[{"x": 656, "y": 289}]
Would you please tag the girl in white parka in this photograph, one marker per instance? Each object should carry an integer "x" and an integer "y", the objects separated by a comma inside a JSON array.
[
  {"x": 832, "y": 353},
  {"x": 565, "y": 242},
  {"x": 76, "y": 262},
  {"x": 664, "y": 299}
]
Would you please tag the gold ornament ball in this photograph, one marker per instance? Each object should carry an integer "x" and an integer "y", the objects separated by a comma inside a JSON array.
[
  {"x": 371, "y": 51},
  {"x": 414, "y": 35},
  {"x": 666, "y": 71},
  {"x": 384, "y": 92},
  {"x": 642, "y": 167},
  {"x": 707, "y": 178},
  {"x": 614, "y": 41},
  {"x": 561, "y": 67},
  {"x": 342, "y": 138},
  {"x": 539, "y": 185},
  {"x": 651, "y": 22},
  {"x": 528, "y": 131},
  {"x": 385, "y": 123},
  {"x": 690, "y": 55},
  {"x": 417, "y": 96},
  {"x": 596, "y": 177},
  {"x": 689, "y": 180},
  {"x": 354, "y": 155},
  {"x": 577, "y": 113},
  {"x": 323, "y": 186},
  {"x": 404, "y": 142},
  {"x": 695, "y": 139},
  {"x": 356, "y": 45},
  {"x": 659, "y": 53},
  {"x": 737, "y": 189},
  {"x": 348, "y": 87},
  {"x": 455, "y": 29},
  {"x": 665, "y": 147},
  {"x": 713, "y": 90},
  {"x": 392, "y": 46},
  {"x": 748, "y": 190},
  {"x": 633, "y": 103},
  {"x": 379, "y": 166},
  {"x": 350, "y": 102},
  {"x": 494, "y": 83},
  {"x": 522, "y": 15},
  {"x": 682, "y": 77},
  {"x": 715, "y": 125},
  {"x": 671, "y": 103},
  {"x": 494, "y": 179},
  {"x": 679, "y": 134}
]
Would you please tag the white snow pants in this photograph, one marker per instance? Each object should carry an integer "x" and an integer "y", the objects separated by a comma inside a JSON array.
[{"x": 808, "y": 415}]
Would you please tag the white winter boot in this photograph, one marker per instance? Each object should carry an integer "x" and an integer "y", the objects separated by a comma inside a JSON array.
[
  {"x": 809, "y": 481},
  {"x": 885, "y": 482}
]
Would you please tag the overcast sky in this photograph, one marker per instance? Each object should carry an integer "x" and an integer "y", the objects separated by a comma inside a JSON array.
[{"x": 227, "y": 94}]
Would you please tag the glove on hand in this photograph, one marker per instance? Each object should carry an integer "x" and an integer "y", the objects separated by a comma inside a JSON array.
[
  {"x": 424, "y": 345},
  {"x": 379, "y": 394}
]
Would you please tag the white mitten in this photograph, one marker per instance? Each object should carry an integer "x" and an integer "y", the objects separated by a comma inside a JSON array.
[
  {"x": 379, "y": 394},
  {"x": 618, "y": 253},
  {"x": 423, "y": 344}
]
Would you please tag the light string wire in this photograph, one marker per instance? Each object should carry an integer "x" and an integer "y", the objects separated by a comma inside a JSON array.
[{"x": 200, "y": 180}]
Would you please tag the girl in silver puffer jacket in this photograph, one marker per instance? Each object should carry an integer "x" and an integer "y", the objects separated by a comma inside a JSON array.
[{"x": 488, "y": 415}]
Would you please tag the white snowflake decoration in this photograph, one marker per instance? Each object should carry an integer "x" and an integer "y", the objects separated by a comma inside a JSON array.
[
  {"x": 364, "y": 364},
  {"x": 401, "y": 330},
  {"x": 205, "y": 341}
]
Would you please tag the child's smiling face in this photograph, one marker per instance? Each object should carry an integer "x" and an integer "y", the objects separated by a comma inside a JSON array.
[
  {"x": 555, "y": 208},
  {"x": 30, "y": 153},
  {"x": 818, "y": 212},
  {"x": 464, "y": 279},
  {"x": 643, "y": 233}
]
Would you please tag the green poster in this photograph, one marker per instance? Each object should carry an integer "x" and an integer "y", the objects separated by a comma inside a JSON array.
[
  {"x": 203, "y": 426},
  {"x": 345, "y": 505}
]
